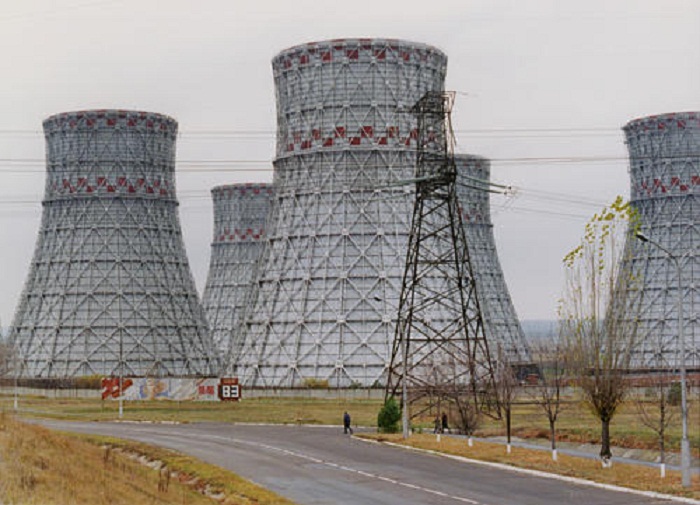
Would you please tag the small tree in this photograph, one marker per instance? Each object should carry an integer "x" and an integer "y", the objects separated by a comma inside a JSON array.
[
  {"x": 551, "y": 360},
  {"x": 597, "y": 315},
  {"x": 389, "y": 417},
  {"x": 655, "y": 412},
  {"x": 7, "y": 357},
  {"x": 469, "y": 416},
  {"x": 506, "y": 384}
]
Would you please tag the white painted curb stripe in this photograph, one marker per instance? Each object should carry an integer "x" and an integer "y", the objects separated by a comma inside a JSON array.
[{"x": 545, "y": 475}]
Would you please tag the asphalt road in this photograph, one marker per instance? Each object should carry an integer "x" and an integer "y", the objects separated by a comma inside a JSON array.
[{"x": 320, "y": 465}]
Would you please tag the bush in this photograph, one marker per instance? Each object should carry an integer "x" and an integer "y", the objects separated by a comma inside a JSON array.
[
  {"x": 313, "y": 383},
  {"x": 389, "y": 417}
]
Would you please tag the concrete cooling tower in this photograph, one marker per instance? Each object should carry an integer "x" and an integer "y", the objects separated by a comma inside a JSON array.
[
  {"x": 501, "y": 324},
  {"x": 109, "y": 285},
  {"x": 326, "y": 292},
  {"x": 240, "y": 211},
  {"x": 664, "y": 155}
]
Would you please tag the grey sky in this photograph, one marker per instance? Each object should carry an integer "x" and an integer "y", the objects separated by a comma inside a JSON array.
[{"x": 538, "y": 80}]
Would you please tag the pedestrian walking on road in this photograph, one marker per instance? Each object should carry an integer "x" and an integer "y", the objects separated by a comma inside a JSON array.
[
  {"x": 346, "y": 423},
  {"x": 445, "y": 428}
]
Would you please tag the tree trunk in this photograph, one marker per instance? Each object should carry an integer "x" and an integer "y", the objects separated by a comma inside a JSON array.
[
  {"x": 605, "y": 453},
  {"x": 552, "y": 435},
  {"x": 508, "y": 425}
]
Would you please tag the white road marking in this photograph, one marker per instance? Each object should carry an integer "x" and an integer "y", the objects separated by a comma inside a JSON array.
[{"x": 344, "y": 468}]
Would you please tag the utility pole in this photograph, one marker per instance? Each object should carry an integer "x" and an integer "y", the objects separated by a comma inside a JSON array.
[
  {"x": 440, "y": 350},
  {"x": 685, "y": 441}
]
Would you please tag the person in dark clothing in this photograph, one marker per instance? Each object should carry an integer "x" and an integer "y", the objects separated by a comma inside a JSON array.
[
  {"x": 445, "y": 428},
  {"x": 346, "y": 423}
]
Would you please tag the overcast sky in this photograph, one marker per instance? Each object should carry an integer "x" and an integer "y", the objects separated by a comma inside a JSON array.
[{"x": 544, "y": 88}]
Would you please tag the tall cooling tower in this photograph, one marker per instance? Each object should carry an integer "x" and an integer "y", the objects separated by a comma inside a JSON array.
[
  {"x": 109, "y": 284},
  {"x": 501, "y": 324},
  {"x": 665, "y": 190},
  {"x": 328, "y": 281},
  {"x": 240, "y": 211}
]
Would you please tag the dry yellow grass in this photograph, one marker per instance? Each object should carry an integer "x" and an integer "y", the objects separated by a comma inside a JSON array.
[
  {"x": 238, "y": 491},
  {"x": 631, "y": 476},
  {"x": 39, "y": 466}
]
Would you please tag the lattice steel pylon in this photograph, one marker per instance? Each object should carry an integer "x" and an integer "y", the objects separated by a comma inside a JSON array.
[
  {"x": 240, "y": 212},
  {"x": 501, "y": 323},
  {"x": 324, "y": 301},
  {"x": 109, "y": 289},
  {"x": 440, "y": 351},
  {"x": 664, "y": 155}
]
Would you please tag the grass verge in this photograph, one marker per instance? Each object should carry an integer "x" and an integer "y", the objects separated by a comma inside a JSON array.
[
  {"x": 629, "y": 476},
  {"x": 254, "y": 410},
  {"x": 39, "y": 466}
]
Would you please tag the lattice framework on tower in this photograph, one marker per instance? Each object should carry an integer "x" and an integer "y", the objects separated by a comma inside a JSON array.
[
  {"x": 109, "y": 289},
  {"x": 664, "y": 153},
  {"x": 240, "y": 213},
  {"x": 501, "y": 324},
  {"x": 323, "y": 306},
  {"x": 440, "y": 351}
]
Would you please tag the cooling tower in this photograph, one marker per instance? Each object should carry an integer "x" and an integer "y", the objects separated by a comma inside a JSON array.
[
  {"x": 664, "y": 155},
  {"x": 109, "y": 284},
  {"x": 240, "y": 211},
  {"x": 325, "y": 299},
  {"x": 501, "y": 324}
]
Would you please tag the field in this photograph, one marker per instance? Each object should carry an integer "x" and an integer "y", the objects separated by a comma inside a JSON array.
[
  {"x": 576, "y": 424},
  {"x": 39, "y": 466}
]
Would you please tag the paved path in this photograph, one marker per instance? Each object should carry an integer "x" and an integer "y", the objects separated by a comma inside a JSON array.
[{"x": 320, "y": 465}]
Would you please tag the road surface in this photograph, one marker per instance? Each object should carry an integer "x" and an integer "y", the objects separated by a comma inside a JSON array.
[{"x": 320, "y": 465}]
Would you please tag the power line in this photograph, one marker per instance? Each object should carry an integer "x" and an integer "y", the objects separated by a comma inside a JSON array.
[
  {"x": 270, "y": 134},
  {"x": 518, "y": 160}
]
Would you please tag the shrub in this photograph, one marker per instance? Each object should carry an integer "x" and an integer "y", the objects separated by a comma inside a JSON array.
[
  {"x": 389, "y": 417},
  {"x": 313, "y": 383}
]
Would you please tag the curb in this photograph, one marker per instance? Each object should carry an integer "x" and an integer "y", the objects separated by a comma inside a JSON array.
[{"x": 539, "y": 473}]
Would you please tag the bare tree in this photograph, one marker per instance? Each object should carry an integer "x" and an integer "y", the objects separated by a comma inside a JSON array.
[
  {"x": 597, "y": 315},
  {"x": 551, "y": 362},
  {"x": 6, "y": 356},
  {"x": 655, "y": 411},
  {"x": 469, "y": 416},
  {"x": 506, "y": 384}
]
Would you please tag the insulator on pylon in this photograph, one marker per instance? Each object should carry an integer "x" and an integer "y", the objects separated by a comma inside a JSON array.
[
  {"x": 240, "y": 211},
  {"x": 664, "y": 153},
  {"x": 501, "y": 323},
  {"x": 109, "y": 289},
  {"x": 325, "y": 299}
]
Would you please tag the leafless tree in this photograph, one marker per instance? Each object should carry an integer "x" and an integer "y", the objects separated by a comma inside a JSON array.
[
  {"x": 469, "y": 416},
  {"x": 550, "y": 358},
  {"x": 506, "y": 384},
  {"x": 597, "y": 315},
  {"x": 655, "y": 410},
  {"x": 6, "y": 357}
]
